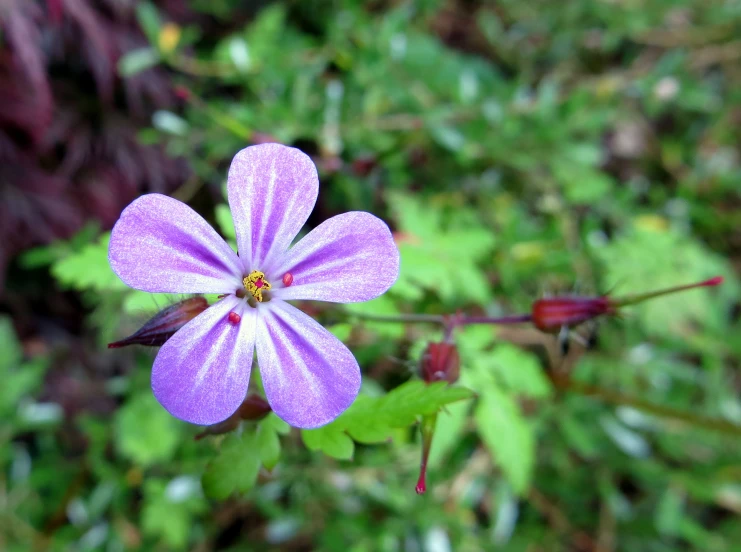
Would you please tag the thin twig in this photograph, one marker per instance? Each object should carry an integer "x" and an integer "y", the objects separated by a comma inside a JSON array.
[{"x": 621, "y": 399}]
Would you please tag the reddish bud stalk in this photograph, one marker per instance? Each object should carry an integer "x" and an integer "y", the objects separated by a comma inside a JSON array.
[
  {"x": 441, "y": 362},
  {"x": 427, "y": 429},
  {"x": 550, "y": 314},
  {"x": 164, "y": 324},
  {"x": 633, "y": 299}
]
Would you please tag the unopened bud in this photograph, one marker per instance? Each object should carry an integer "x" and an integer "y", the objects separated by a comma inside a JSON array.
[
  {"x": 164, "y": 324},
  {"x": 253, "y": 408},
  {"x": 441, "y": 362},
  {"x": 551, "y": 314}
]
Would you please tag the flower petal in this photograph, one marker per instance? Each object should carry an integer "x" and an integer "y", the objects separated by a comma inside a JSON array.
[
  {"x": 309, "y": 376},
  {"x": 161, "y": 245},
  {"x": 348, "y": 258},
  {"x": 272, "y": 189},
  {"x": 201, "y": 373}
]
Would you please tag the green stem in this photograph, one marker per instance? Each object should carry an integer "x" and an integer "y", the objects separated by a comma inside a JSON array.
[
  {"x": 620, "y": 399},
  {"x": 444, "y": 319}
]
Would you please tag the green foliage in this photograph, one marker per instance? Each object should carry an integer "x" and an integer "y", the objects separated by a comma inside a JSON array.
[
  {"x": 88, "y": 268},
  {"x": 644, "y": 259},
  {"x": 440, "y": 253},
  {"x": 375, "y": 419},
  {"x": 515, "y": 149},
  {"x": 144, "y": 432},
  {"x": 235, "y": 468},
  {"x": 19, "y": 378},
  {"x": 170, "y": 508}
]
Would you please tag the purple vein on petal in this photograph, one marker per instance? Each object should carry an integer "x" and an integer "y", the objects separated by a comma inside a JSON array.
[{"x": 272, "y": 189}]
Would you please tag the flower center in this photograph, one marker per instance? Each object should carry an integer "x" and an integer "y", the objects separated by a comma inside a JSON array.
[{"x": 256, "y": 283}]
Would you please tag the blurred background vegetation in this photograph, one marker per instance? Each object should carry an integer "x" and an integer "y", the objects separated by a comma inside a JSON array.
[{"x": 516, "y": 147}]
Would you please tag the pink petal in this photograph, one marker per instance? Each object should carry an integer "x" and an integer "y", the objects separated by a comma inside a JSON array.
[
  {"x": 309, "y": 376},
  {"x": 348, "y": 258},
  {"x": 201, "y": 373},
  {"x": 272, "y": 190},
  {"x": 159, "y": 244}
]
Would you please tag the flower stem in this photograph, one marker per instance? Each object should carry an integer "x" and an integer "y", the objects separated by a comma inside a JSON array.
[
  {"x": 620, "y": 399},
  {"x": 444, "y": 319}
]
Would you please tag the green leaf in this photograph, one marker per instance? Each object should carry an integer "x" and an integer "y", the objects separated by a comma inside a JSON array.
[
  {"x": 508, "y": 436},
  {"x": 149, "y": 20},
  {"x": 268, "y": 440},
  {"x": 138, "y": 60},
  {"x": 518, "y": 371},
  {"x": 650, "y": 257},
  {"x": 332, "y": 441},
  {"x": 169, "y": 509},
  {"x": 18, "y": 380},
  {"x": 236, "y": 467},
  {"x": 375, "y": 419},
  {"x": 88, "y": 269},
  {"x": 441, "y": 251},
  {"x": 144, "y": 432}
]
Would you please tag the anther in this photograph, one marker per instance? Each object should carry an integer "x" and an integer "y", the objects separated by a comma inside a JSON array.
[
  {"x": 234, "y": 318},
  {"x": 287, "y": 279},
  {"x": 255, "y": 283}
]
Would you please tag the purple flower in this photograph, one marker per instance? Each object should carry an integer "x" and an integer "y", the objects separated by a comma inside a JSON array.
[{"x": 202, "y": 372}]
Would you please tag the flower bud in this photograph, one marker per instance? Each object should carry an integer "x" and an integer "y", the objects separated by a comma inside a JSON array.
[
  {"x": 164, "y": 324},
  {"x": 551, "y": 314},
  {"x": 441, "y": 362},
  {"x": 253, "y": 408}
]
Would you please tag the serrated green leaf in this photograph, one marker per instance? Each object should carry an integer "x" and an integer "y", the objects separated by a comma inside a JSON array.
[
  {"x": 236, "y": 467},
  {"x": 88, "y": 269},
  {"x": 647, "y": 259},
  {"x": 375, "y": 419},
  {"x": 438, "y": 253},
  {"x": 331, "y": 440},
  {"x": 508, "y": 436}
]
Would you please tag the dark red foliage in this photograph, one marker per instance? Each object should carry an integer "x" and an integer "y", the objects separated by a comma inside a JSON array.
[{"x": 68, "y": 123}]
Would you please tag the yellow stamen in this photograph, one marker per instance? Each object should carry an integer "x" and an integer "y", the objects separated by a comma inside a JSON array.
[{"x": 256, "y": 283}]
